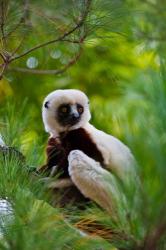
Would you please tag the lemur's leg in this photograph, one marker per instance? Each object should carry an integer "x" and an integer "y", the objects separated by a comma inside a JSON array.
[{"x": 92, "y": 180}]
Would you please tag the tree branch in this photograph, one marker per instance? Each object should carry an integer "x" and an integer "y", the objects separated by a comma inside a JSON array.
[
  {"x": 2, "y": 19},
  {"x": 3, "y": 69},
  {"x": 9, "y": 58},
  {"x": 22, "y": 19},
  {"x": 4, "y": 65},
  {"x": 53, "y": 71},
  {"x": 11, "y": 151},
  {"x": 60, "y": 38},
  {"x": 1, "y": 54}
]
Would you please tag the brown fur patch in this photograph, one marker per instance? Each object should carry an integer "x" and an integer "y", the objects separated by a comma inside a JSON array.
[{"x": 57, "y": 153}]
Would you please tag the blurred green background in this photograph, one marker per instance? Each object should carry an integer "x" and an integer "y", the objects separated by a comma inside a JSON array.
[
  {"x": 124, "y": 42},
  {"x": 117, "y": 56}
]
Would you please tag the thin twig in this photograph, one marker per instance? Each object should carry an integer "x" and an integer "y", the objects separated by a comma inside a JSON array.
[
  {"x": 2, "y": 57},
  {"x": 64, "y": 40},
  {"x": 10, "y": 58},
  {"x": 44, "y": 44},
  {"x": 60, "y": 38},
  {"x": 22, "y": 19},
  {"x": 18, "y": 47},
  {"x": 71, "y": 41},
  {"x": 48, "y": 18},
  {"x": 51, "y": 72},
  {"x": 2, "y": 21},
  {"x": 3, "y": 69}
]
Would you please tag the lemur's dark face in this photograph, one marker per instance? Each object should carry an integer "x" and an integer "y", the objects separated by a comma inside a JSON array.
[
  {"x": 65, "y": 110},
  {"x": 69, "y": 114}
]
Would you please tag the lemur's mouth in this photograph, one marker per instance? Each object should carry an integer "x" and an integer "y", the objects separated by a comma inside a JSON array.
[
  {"x": 70, "y": 120},
  {"x": 74, "y": 121}
]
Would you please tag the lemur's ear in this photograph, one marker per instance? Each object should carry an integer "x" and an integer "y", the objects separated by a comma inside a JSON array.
[{"x": 46, "y": 105}]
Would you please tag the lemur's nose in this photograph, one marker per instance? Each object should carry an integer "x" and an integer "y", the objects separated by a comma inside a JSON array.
[{"x": 75, "y": 116}]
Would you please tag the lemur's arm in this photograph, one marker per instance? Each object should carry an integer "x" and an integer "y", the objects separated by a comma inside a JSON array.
[
  {"x": 55, "y": 156},
  {"x": 93, "y": 181},
  {"x": 55, "y": 152},
  {"x": 99, "y": 184}
]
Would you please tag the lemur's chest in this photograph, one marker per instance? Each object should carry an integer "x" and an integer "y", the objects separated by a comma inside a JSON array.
[
  {"x": 58, "y": 153},
  {"x": 80, "y": 139}
]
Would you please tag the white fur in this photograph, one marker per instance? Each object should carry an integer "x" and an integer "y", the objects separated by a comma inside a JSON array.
[
  {"x": 89, "y": 177},
  {"x": 87, "y": 174},
  {"x": 1, "y": 141},
  {"x": 117, "y": 156},
  {"x": 55, "y": 99}
]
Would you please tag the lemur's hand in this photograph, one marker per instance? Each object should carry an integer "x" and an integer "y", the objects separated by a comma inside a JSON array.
[
  {"x": 53, "y": 142},
  {"x": 55, "y": 152}
]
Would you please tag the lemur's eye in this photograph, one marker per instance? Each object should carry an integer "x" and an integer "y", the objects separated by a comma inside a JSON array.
[
  {"x": 80, "y": 109},
  {"x": 46, "y": 105},
  {"x": 64, "y": 109}
]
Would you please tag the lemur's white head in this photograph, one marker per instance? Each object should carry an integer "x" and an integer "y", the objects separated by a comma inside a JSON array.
[{"x": 65, "y": 110}]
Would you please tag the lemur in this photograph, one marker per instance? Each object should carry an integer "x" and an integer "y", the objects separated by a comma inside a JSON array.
[{"x": 83, "y": 155}]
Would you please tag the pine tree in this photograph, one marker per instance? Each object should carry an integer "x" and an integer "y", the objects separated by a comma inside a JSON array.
[{"x": 27, "y": 221}]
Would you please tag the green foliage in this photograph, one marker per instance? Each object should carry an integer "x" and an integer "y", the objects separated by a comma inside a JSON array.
[
  {"x": 33, "y": 223},
  {"x": 123, "y": 70}
]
